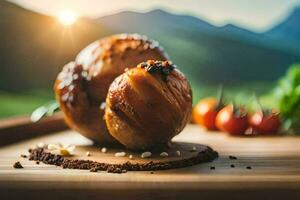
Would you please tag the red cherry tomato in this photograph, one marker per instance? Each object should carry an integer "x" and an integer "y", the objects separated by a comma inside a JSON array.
[
  {"x": 232, "y": 120},
  {"x": 265, "y": 123},
  {"x": 205, "y": 112}
]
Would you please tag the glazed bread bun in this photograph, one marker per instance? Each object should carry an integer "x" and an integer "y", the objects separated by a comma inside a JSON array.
[
  {"x": 81, "y": 87},
  {"x": 148, "y": 105}
]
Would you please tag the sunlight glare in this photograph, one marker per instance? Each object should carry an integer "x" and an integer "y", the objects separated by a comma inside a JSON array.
[{"x": 67, "y": 18}]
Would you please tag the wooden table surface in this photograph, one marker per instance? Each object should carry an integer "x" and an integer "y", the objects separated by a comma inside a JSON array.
[{"x": 275, "y": 172}]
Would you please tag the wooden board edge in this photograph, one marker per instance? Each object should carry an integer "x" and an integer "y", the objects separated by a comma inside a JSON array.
[{"x": 20, "y": 128}]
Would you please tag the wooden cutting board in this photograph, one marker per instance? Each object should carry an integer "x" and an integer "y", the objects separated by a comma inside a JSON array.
[{"x": 275, "y": 173}]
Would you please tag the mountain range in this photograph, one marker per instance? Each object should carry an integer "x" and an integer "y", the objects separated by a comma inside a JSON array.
[
  {"x": 288, "y": 30},
  {"x": 34, "y": 47}
]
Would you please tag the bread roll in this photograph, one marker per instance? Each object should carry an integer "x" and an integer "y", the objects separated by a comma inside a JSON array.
[
  {"x": 148, "y": 105},
  {"x": 81, "y": 87}
]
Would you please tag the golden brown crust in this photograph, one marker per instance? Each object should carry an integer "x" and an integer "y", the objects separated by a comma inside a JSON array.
[
  {"x": 146, "y": 109},
  {"x": 94, "y": 69},
  {"x": 105, "y": 59},
  {"x": 80, "y": 112}
]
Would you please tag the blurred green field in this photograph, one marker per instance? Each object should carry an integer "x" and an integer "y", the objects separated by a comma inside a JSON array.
[
  {"x": 242, "y": 94},
  {"x": 13, "y": 104}
]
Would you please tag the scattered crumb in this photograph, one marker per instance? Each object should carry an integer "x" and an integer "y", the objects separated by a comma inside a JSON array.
[
  {"x": 163, "y": 154},
  {"x": 120, "y": 154},
  {"x": 23, "y": 156},
  {"x": 93, "y": 169},
  {"x": 232, "y": 157},
  {"x": 130, "y": 157},
  {"x": 88, "y": 153},
  {"x": 146, "y": 154},
  {"x": 104, "y": 150},
  {"x": 41, "y": 145},
  {"x": 113, "y": 169},
  {"x": 17, "y": 165},
  {"x": 152, "y": 172},
  {"x": 37, "y": 162},
  {"x": 193, "y": 149}
]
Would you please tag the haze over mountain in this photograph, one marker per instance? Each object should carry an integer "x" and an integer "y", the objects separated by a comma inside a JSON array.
[
  {"x": 208, "y": 53},
  {"x": 288, "y": 30},
  {"x": 34, "y": 47},
  {"x": 167, "y": 21}
]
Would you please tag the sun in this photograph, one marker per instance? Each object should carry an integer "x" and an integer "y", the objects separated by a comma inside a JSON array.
[{"x": 67, "y": 17}]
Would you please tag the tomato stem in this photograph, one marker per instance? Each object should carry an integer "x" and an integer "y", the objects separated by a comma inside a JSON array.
[
  {"x": 258, "y": 103},
  {"x": 220, "y": 98},
  {"x": 238, "y": 110},
  {"x": 235, "y": 110}
]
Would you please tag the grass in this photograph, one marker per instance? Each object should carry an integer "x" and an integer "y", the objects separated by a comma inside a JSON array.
[
  {"x": 12, "y": 104},
  {"x": 239, "y": 94}
]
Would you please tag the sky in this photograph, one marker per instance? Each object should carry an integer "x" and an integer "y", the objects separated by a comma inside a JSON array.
[{"x": 256, "y": 15}]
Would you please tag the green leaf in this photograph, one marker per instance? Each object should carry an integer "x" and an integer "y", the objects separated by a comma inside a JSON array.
[
  {"x": 287, "y": 94},
  {"x": 46, "y": 110}
]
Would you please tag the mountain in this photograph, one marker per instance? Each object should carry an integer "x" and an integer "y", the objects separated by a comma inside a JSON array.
[
  {"x": 153, "y": 17},
  {"x": 34, "y": 47},
  {"x": 168, "y": 21},
  {"x": 288, "y": 30},
  {"x": 206, "y": 53},
  {"x": 232, "y": 30}
]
